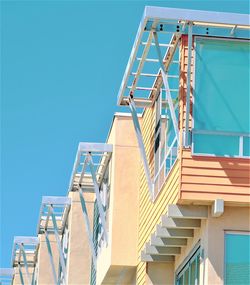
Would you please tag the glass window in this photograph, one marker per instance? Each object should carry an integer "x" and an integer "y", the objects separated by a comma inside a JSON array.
[
  {"x": 237, "y": 259},
  {"x": 190, "y": 272},
  {"x": 221, "y": 97}
]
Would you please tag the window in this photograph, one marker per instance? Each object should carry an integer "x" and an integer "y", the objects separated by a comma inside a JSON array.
[
  {"x": 237, "y": 258},
  {"x": 190, "y": 272},
  {"x": 221, "y": 125}
]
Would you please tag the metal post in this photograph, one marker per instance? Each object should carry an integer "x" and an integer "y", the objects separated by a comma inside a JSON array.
[
  {"x": 98, "y": 198},
  {"x": 58, "y": 242},
  {"x": 141, "y": 146},
  {"x": 86, "y": 219},
  {"x": 20, "y": 274},
  {"x": 165, "y": 82},
  {"x": 186, "y": 140}
]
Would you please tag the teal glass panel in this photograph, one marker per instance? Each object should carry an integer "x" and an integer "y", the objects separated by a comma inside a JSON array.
[
  {"x": 222, "y": 85},
  {"x": 216, "y": 145},
  {"x": 192, "y": 273},
  {"x": 246, "y": 146},
  {"x": 221, "y": 89},
  {"x": 237, "y": 259}
]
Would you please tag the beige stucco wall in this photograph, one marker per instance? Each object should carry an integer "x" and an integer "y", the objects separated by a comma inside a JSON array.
[
  {"x": 159, "y": 273},
  {"x": 17, "y": 279},
  {"x": 45, "y": 275},
  {"x": 121, "y": 253},
  {"x": 79, "y": 258},
  {"x": 211, "y": 237}
]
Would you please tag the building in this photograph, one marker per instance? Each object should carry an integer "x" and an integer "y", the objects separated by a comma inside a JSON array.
[{"x": 166, "y": 199}]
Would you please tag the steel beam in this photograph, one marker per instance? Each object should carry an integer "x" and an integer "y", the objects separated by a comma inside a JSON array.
[
  {"x": 51, "y": 257},
  {"x": 187, "y": 134},
  {"x": 25, "y": 263},
  {"x": 165, "y": 82},
  {"x": 58, "y": 243},
  {"x": 98, "y": 198},
  {"x": 88, "y": 228},
  {"x": 141, "y": 147}
]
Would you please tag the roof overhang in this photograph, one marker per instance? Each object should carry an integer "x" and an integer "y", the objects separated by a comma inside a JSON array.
[{"x": 174, "y": 22}]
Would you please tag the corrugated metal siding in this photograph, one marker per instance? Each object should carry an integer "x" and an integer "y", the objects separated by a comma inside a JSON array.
[{"x": 150, "y": 212}]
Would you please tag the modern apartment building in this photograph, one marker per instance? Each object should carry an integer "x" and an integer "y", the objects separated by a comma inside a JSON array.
[{"x": 166, "y": 199}]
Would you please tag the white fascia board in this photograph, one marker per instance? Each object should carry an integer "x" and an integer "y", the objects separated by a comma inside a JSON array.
[
  {"x": 213, "y": 17},
  {"x": 26, "y": 240},
  {"x": 95, "y": 147},
  {"x": 53, "y": 200},
  {"x": 6, "y": 272}
]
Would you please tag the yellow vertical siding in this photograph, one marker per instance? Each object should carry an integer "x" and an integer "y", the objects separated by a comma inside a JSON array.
[{"x": 150, "y": 212}]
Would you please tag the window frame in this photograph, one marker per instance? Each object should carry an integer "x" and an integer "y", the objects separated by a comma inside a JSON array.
[
  {"x": 194, "y": 254},
  {"x": 233, "y": 134}
]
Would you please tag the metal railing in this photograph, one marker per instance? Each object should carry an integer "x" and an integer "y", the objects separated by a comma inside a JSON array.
[
  {"x": 165, "y": 167},
  {"x": 241, "y": 142}
]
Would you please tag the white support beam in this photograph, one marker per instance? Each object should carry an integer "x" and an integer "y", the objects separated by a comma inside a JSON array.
[
  {"x": 141, "y": 147},
  {"x": 59, "y": 247},
  {"x": 187, "y": 136},
  {"x": 166, "y": 85},
  {"x": 98, "y": 199},
  {"x": 174, "y": 233},
  {"x": 88, "y": 228},
  {"x": 187, "y": 211}
]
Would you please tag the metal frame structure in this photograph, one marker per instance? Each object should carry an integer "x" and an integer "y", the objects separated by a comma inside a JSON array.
[
  {"x": 24, "y": 254},
  {"x": 88, "y": 172},
  {"x": 52, "y": 220},
  {"x": 169, "y": 24},
  {"x": 6, "y": 276}
]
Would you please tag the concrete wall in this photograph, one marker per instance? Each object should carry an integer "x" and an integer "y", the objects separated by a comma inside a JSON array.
[
  {"x": 159, "y": 273},
  {"x": 79, "y": 258},
  {"x": 45, "y": 273},
  {"x": 120, "y": 255},
  {"x": 211, "y": 237}
]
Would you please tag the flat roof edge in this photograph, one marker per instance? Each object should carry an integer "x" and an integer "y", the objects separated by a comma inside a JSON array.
[{"x": 196, "y": 15}]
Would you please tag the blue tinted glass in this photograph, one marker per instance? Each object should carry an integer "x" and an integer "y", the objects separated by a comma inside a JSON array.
[
  {"x": 246, "y": 146},
  {"x": 216, "y": 145},
  {"x": 237, "y": 259},
  {"x": 222, "y": 85}
]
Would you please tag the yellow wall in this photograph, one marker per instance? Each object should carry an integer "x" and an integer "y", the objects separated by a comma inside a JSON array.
[{"x": 150, "y": 212}]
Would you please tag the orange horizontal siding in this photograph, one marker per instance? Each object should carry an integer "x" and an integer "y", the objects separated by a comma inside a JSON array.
[{"x": 201, "y": 176}]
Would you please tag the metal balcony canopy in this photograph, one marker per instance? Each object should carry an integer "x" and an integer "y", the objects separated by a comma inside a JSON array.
[
  {"x": 142, "y": 80},
  {"x": 6, "y": 275},
  {"x": 91, "y": 163},
  {"x": 99, "y": 154},
  {"x": 60, "y": 207},
  {"x": 24, "y": 246}
]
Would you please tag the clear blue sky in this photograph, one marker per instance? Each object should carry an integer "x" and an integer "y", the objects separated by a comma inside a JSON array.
[{"x": 62, "y": 65}]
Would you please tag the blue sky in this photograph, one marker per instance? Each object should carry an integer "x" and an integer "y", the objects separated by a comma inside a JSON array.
[{"x": 62, "y": 65}]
